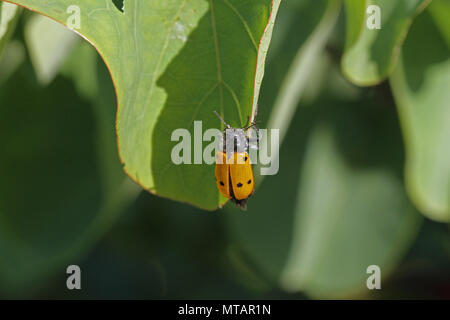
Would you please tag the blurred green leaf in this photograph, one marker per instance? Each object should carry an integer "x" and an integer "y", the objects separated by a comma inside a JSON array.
[
  {"x": 440, "y": 11},
  {"x": 13, "y": 56},
  {"x": 337, "y": 204},
  {"x": 49, "y": 43},
  {"x": 317, "y": 228},
  {"x": 62, "y": 185},
  {"x": 300, "y": 72},
  {"x": 370, "y": 55},
  {"x": 79, "y": 66},
  {"x": 173, "y": 62},
  {"x": 355, "y": 12},
  {"x": 420, "y": 84},
  {"x": 9, "y": 14},
  {"x": 345, "y": 220}
]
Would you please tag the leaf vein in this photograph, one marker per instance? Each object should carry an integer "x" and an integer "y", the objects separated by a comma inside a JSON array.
[
  {"x": 244, "y": 22},
  {"x": 216, "y": 46},
  {"x": 235, "y": 98}
]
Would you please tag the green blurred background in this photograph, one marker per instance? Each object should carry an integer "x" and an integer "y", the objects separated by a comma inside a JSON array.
[{"x": 337, "y": 205}]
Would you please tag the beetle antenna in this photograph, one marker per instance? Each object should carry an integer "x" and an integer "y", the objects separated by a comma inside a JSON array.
[
  {"x": 254, "y": 122},
  {"x": 252, "y": 125},
  {"x": 223, "y": 121},
  {"x": 248, "y": 123}
]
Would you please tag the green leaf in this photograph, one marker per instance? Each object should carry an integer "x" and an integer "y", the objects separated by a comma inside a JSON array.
[
  {"x": 62, "y": 185},
  {"x": 340, "y": 214},
  {"x": 321, "y": 225},
  {"x": 13, "y": 56},
  {"x": 300, "y": 73},
  {"x": 48, "y": 44},
  {"x": 371, "y": 54},
  {"x": 9, "y": 14},
  {"x": 173, "y": 62},
  {"x": 310, "y": 22},
  {"x": 439, "y": 10},
  {"x": 337, "y": 204},
  {"x": 355, "y": 12},
  {"x": 420, "y": 84}
]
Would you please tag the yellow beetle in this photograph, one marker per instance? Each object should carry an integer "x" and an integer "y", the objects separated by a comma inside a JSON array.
[{"x": 234, "y": 173}]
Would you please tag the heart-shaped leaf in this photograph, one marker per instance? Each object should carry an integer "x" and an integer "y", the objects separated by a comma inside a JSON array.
[
  {"x": 371, "y": 53},
  {"x": 173, "y": 62},
  {"x": 420, "y": 84}
]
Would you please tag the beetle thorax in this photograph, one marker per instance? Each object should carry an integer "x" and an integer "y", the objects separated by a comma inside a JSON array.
[{"x": 234, "y": 140}]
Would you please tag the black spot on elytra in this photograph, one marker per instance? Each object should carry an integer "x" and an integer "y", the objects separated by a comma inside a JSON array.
[
  {"x": 221, "y": 183},
  {"x": 249, "y": 181},
  {"x": 239, "y": 185},
  {"x": 245, "y": 159}
]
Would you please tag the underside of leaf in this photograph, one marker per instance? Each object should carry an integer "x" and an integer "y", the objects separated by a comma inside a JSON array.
[{"x": 174, "y": 62}]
